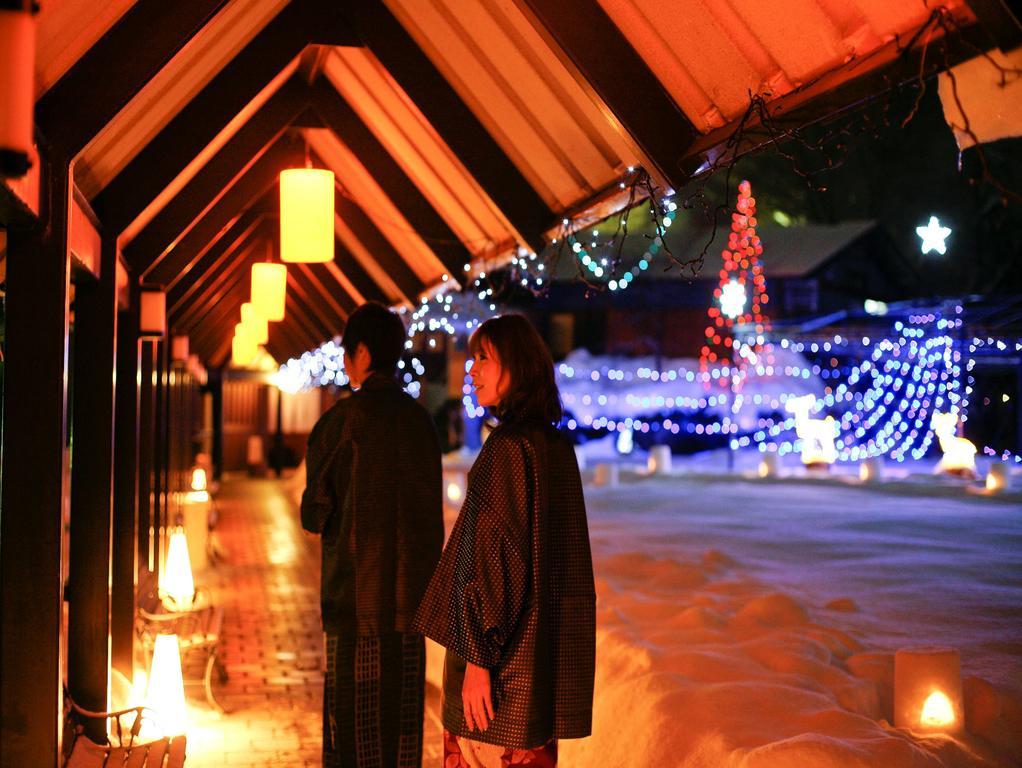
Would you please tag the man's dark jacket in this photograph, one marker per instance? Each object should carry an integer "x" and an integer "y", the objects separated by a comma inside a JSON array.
[{"x": 373, "y": 492}]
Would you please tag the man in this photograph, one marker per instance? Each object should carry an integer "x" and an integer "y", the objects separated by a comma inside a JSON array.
[{"x": 373, "y": 494}]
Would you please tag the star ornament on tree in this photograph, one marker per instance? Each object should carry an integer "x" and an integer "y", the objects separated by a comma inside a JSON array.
[
  {"x": 933, "y": 236},
  {"x": 732, "y": 299}
]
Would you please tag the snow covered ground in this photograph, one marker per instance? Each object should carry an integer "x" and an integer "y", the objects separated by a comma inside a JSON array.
[{"x": 748, "y": 623}]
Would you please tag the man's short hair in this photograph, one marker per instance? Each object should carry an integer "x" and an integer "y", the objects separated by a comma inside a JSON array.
[{"x": 381, "y": 331}]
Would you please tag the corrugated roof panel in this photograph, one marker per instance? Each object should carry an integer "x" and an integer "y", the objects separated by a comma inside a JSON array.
[
  {"x": 518, "y": 88},
  {"x": 422, "y": 154},
  {"x": 363, "y": 189},
  {"x": 65, "y": 30},
  {"x": 176, "y": 84},
  {"x": 710, "y": 54}
]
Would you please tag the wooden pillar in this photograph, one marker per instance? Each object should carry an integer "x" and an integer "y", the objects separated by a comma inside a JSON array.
[
  {"x": 146, "y": 460},
  {"x": 34, "y": 484},
  {"x": 92, "y": 441},
  {"x": 126, "y": 463},
  {"x": 161, "y": 459},
  {"x": 216, "y": 389}
]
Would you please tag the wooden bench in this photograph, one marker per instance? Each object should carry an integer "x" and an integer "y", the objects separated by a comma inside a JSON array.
[
  {"x": 198, "y": 634},
  {"x": 125, "y": 748}
]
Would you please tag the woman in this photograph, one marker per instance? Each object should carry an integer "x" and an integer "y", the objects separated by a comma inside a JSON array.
[{"x": 513, "y": 598}]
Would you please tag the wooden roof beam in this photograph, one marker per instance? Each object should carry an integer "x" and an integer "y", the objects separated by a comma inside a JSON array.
[
  {"x": 344, "y": 122},
  {"x": 88, "y": 96},
  {"x": 451, "y": 118},
  {"x": 261, "y": 130},
  {"x": 607, "y": 66},
  {"x": 167, "y": 267},
  {"x": 300, "y": 22}
]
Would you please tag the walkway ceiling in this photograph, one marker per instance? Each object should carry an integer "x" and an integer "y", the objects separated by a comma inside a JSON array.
[{"x": 458, "y": 130}]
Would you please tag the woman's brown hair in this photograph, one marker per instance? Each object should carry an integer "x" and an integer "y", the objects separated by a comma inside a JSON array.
[{"x": 523, "y": 355}]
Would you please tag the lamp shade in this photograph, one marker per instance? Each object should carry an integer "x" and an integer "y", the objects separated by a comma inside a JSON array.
[
  {"x": 179, "y": 349},
  {"x": 152, "y": 315},
  {"x": 306, "y": 215},
  {"x": 269, "y": 284},
  {"x": 178, "y": 582},
  {"x": 254, "y": 323},
  {"x": 243, "y": 347},
  {"x": 166, "y": 691},
  {"x": 17, "y": 87}
]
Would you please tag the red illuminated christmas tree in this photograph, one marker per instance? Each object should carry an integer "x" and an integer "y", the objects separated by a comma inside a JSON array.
[{"x": 741, "y": 295}]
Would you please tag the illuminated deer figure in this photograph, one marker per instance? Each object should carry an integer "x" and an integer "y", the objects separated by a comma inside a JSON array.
[
  {"x": 817, "y": 435},
  {"x": 959, "y": 453}
]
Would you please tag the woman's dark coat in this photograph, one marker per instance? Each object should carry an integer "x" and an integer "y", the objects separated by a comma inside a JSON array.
[{"x": 514, "y": 592}]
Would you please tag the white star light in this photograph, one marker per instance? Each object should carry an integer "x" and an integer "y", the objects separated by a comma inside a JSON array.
[
  {"x": 933, "y": 236},
  {"x": 732, "y": 299}
]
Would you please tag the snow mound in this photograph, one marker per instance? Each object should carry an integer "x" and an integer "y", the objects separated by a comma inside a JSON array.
[{"x": 699, "y": 665}]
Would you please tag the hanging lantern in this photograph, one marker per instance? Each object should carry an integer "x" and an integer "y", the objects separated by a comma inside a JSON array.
[
  {"x": 306, "y": 215},
  {"x": 17, "y": 86},
  {"x": 152, "y": 314},
  {"x": 165, "y": 693},
  {"x": 269, "y": 283},
  {"x": 255, "y": 324},
  {"x": 178, "y": 584},
  {"x": 243, "y": 347}
]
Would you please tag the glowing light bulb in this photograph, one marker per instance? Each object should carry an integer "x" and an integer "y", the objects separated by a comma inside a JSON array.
[{"x": 937, "y": 711}]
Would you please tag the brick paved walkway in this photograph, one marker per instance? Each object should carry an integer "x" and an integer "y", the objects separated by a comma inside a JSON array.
[{"x": 272, "y": 643}]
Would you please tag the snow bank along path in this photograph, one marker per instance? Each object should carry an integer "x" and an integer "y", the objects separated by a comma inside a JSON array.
[{"x": 748, "y": 625}]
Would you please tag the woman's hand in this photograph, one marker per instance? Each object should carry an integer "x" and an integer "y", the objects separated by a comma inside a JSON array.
[{"x": 475, "y": 697}]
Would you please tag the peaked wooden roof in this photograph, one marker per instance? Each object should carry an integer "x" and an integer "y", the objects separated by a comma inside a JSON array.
[{"x": 459, "y": 130}]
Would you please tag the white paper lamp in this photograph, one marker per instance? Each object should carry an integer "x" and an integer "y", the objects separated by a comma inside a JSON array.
[{"x": 165, "y": 693}]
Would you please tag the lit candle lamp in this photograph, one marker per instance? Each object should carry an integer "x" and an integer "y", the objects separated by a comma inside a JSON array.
[
  {"x": 928, "y": 690},
  {"x": 178, "y": 584},
  {"x": 769, "y": 465},
  {"x": 659, "y": 461},
  {"x": 165, "y": 693},
  {"x": 871, "y": 470}
]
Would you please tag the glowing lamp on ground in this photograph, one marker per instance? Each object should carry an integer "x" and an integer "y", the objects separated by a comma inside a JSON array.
[
  {"x": 306, "y": 215},
  {"x": 871, "y": 470},
  {"x": 269, "y": 288},
  {"x": 199, "y": 490},
  {"x": 659, "y": 461},
  {"x": 165, "y": 694},
  {"x": 607, "y": 475},
  {"x": 998, "y": 478},
  {"x": 255, "y": 324},
  {"x": 178, "y": 584},
  {"x": 17, "y": 86},
  {"x": 959, "y": 454},
  {"x": 928, "y": 690},
  {"x": 454, "y": 493},
  {"x": 769, "y": 465},
  {"x": 817, "y": 435}
]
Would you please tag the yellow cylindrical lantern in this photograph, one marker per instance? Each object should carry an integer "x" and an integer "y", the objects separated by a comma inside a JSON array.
[
  {"x": 306, "y": 215},
  {"x": 17, "y": 87},
  {"x": 255, "y": 324},
  {"x": 243, "y": 348},
  {"x": 166, "y": 691},
  {"x": 269, "y": 284}
]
